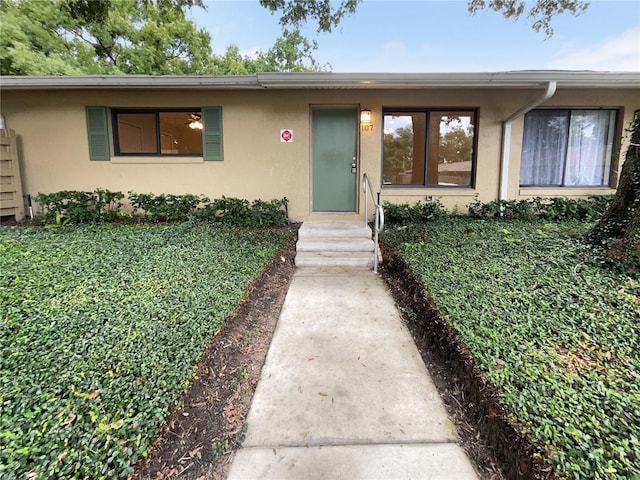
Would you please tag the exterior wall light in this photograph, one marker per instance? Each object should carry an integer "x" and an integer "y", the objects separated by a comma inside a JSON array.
[{"x": 365, "y": 116}]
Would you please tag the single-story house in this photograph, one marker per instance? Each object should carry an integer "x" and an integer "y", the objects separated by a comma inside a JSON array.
[{"x": 311, "y": 137}]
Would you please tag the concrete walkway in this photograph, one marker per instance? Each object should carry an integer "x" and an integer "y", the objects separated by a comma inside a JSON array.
[{"x": 344, "y": 393}]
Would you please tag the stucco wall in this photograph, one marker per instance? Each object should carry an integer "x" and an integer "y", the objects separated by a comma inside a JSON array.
[{"x": 54, "y": 151}]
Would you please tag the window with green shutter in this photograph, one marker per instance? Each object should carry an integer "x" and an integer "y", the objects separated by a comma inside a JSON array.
[
  {"x": 98, "y": 133},
  {"x": 177, "y": 132}
]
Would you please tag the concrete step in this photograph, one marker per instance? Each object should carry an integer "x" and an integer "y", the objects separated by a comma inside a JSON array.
[
  {"x": 334, "y": 259},
  {"x": 333, "y": 229},
  {"x": 335, "y": 245}
]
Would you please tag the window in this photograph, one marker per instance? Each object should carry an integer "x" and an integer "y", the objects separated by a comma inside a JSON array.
[
  {"x": 424, "y": 147},
  {"x": 567, "y": 148},
  {"x": 194, "y": 132},
  {"x": 159, "y": 132}
]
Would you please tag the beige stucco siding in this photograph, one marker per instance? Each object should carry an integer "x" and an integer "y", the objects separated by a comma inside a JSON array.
[
  {"x": 494, "y": 107},
  {"x": 256, "y": 164},
  {"x": 52, "y": 134}
]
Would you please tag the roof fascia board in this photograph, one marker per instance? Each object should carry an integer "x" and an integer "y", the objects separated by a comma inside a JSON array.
[
  {"x": 518, "y": 79},
  {"x": 82, "y": 82},
  {"x": 515, "y": 79}
]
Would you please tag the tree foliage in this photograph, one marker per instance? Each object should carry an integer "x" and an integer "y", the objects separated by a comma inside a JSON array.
[
  {"x": 398, "y": 152},
  {"x": 152, "y": 37},
  {"x": 540, "y": 12},
  {"x": 328, "y": 14},
  {"x": 292, "y": 52},
  {"x": 64, "y": 37},
  {"x": 30, "y": 42},
  {"x": 325, "y": 13},
  {"x": 72, "y": 37},
  {"x": 456, "y": 143}
]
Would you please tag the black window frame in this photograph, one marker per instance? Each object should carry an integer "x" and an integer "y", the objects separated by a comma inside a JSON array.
[
  {"x": 615, "y": 145},
  {"x": 156, "y": 112},
  {"x": 427, "y": 111}
]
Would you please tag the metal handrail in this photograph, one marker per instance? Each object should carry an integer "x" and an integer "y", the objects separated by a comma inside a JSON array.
[{"x": 379, "y": 222}]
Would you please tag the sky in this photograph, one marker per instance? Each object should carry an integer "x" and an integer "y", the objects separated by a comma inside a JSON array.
[{"x": 441, "y": 36}]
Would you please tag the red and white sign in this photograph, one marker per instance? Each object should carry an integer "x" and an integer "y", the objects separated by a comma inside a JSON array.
[{"x": 286, "y": 135}]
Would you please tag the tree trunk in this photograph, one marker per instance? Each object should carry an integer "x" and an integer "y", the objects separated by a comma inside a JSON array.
[{"x": 619, "y": 227}]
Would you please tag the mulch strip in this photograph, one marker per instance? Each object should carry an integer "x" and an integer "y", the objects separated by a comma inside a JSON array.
[
  {"x": 199, "y": 438},
  {"x": 494, "y": 444}
]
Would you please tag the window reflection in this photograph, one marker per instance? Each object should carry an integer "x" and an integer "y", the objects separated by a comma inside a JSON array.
[
  {"x": 158, "y": 133},
  {"x": 428, "y": 148}
]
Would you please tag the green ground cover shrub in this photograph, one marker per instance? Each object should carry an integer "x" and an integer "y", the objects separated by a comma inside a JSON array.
[
  {"x": 164, "y": 207},
  {"x": 404, "y": 214},
  {"x": 100, "y": 328},
  {"x": 80, "y": 207},
  {"x": 75, "y": 207},
  {"x": 555, "y": 209},
  {"x": 242, "y": 213},
  {"x": 554, "y": 331}
]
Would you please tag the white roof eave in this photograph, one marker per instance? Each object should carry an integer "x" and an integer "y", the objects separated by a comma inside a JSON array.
[
  {"x": 282, "y": 81},
  {"x": 451, "y": 80},
  {"x": 82, "y": 82}
]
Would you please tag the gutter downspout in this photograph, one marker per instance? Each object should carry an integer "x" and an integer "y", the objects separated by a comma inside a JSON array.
[{"x": 506, "y": 136}]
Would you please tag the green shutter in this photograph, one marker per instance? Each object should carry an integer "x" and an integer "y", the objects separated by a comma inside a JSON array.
[
  {"x": 212, "y": 133},
  {"x": 98, "y": 133}
]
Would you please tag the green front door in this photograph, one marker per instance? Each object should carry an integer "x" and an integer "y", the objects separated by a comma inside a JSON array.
[{"x": 334, "y": 140}]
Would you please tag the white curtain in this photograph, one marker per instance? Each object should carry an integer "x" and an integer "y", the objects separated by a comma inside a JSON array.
[
  {"x": 590, "y": 148},
  {"x": 544, "y": 147},
  {"x": 567, "y": 147}
]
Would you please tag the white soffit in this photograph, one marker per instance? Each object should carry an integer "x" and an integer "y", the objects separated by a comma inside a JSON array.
[{"x": 285, "y": 81}]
